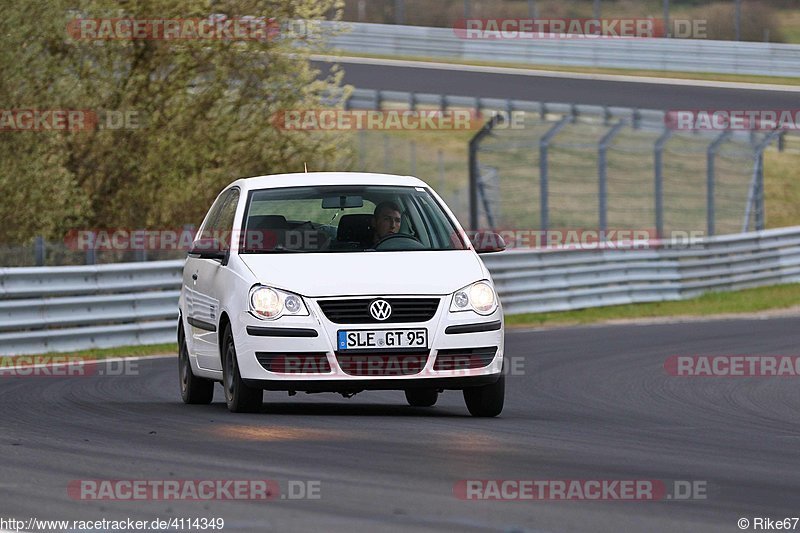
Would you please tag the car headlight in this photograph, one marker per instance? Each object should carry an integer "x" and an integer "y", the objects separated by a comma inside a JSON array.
[
  {"x": 479, "y": 297},
  {"x": 269, "y": 303}
]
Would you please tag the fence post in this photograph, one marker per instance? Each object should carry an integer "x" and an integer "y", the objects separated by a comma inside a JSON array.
[
  {"x": 413, "y": 154},
  {"x": 440, "y": 157},
  {"x": 544, "y": 145},
  {"x": 141, "y": 253},
  {"x": 386, "y": 152},
  {"x": 658, "y": 163},
  {"x": 602, "y": 167},
  {"x": 399, "y": 12},
  {"x": 38, "y": 250},
  {"x": 362, "y": 148},
  {"x": 91, "y": 257},
  {"x": 474, "y": 171},
  {"x": 755, "y": 195},
  {"x": 710, "y": 157}
]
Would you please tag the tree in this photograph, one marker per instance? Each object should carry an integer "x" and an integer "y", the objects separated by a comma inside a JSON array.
[{"x": 198, "y": 109}]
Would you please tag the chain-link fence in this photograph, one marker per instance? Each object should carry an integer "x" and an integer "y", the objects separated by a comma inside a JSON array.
[
  {"x": 603, "y": 168},
  {"x": 575, "y": 170}
]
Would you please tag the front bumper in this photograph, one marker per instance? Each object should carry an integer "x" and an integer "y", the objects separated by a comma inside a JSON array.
[{"x": 316, "y": 335}]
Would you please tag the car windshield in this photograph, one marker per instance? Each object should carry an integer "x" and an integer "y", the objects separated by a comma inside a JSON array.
[{"x": 355, "y": 218}]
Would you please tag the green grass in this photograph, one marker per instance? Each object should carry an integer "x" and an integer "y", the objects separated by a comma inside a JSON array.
[
  {"x": 713, "y": 303},
  {"x": 122, "y": 351}
]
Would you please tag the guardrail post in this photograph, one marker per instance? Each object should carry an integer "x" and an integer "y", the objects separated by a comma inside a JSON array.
[
  {"x": 658, "y": 163},
  {"x": 474, "y": 171},
  {"x": 412, "y": 101},
  {"x": 38, "y": 250},
  {"x": 602, "y": 167},
  {"x": 710, "y": 157},
  {"x": 544, "y": 145},
  {"x": 378, "y": 99}
]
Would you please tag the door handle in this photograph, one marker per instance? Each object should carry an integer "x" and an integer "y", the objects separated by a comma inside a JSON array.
[{"x": 194, "y": 277}]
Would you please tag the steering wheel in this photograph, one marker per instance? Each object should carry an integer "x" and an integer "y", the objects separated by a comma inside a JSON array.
[{"x": 415, "y": 242}]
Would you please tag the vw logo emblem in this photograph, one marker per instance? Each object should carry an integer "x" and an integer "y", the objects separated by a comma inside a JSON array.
[{"x": 380, "y": 309}]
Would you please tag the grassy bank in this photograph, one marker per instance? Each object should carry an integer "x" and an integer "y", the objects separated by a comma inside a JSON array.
[{"x": 714, "y": 303}]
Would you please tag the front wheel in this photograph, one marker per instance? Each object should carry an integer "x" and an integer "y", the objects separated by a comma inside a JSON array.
[
  {"x": 487, "y": 400},
  {"x": 422, "y": 397},
  {"x": 239, "y": 397},
  {"x": 194, "y": 390}
]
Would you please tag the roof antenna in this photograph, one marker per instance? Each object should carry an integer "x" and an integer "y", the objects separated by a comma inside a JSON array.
[{"x": 305, "y": 167}]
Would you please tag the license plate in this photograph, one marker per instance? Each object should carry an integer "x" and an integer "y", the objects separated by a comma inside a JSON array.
[{"x": 366, "y": 339}]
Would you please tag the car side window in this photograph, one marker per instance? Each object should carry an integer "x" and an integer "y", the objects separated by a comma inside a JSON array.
[
  {"x": 212, "y": 216},
  {"x": 222, "y": 226}
]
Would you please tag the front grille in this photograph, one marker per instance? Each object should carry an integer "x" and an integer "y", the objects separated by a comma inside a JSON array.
[
  {"x": 464, "y": 358},
  {"x": 357, "y": 311},
  {"x": 382, "y": 364},
  {"x": 294, "y": 363}
]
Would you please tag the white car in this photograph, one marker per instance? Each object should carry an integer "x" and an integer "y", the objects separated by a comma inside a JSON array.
[{"x": 338, "y": 282}]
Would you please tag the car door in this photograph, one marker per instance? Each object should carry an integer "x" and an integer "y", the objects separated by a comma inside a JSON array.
[{"x": 201, "y": 277}]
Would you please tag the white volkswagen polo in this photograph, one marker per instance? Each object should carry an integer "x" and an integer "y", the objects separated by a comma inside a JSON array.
[{"x": 338, "y": 282}]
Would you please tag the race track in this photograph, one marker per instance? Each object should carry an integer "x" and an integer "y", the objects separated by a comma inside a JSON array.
[
  {"x": 564, "y": 89},
  {"x": 591, "y": 403}
]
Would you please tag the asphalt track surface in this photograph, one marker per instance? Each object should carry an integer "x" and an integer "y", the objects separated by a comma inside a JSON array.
[
  {"x": 591, "y": 403},
  {"x": 558, "y": 89}
]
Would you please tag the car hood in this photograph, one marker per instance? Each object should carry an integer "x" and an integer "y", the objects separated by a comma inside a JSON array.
[{"x": 367, "y": 273}]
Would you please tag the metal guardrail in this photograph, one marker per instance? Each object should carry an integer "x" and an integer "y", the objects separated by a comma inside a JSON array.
[
  {"x": 62, "y": 309},
  {"x": 682, "y": 55},
  {"x": 560, "y": 280}
]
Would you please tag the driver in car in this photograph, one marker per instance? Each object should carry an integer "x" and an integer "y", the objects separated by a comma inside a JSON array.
[{"x": 386, "y": 220}]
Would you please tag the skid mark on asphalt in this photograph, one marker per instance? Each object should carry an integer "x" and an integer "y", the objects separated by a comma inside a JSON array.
[{"x": 276, "y": 433}]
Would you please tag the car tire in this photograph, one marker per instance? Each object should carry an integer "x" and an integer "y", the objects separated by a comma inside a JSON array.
[
  {"x": 422, "y": 397},
  {"x": 194, "y": 390},
  {"x": 239, "y": 397},
  {"x": 487, "y": 400}
]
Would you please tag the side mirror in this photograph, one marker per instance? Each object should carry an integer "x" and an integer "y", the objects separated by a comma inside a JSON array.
[
  {"x": 209, "y": 248},
  {"x": 486, "y": 242}
]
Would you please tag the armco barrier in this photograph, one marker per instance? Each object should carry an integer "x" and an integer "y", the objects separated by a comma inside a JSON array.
[
  {"x": 61, "y": 309},
  {"x": 680, "y": 55}
]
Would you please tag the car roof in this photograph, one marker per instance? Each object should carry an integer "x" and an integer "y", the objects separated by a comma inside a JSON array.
[{"x": 300, "y": 179}]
